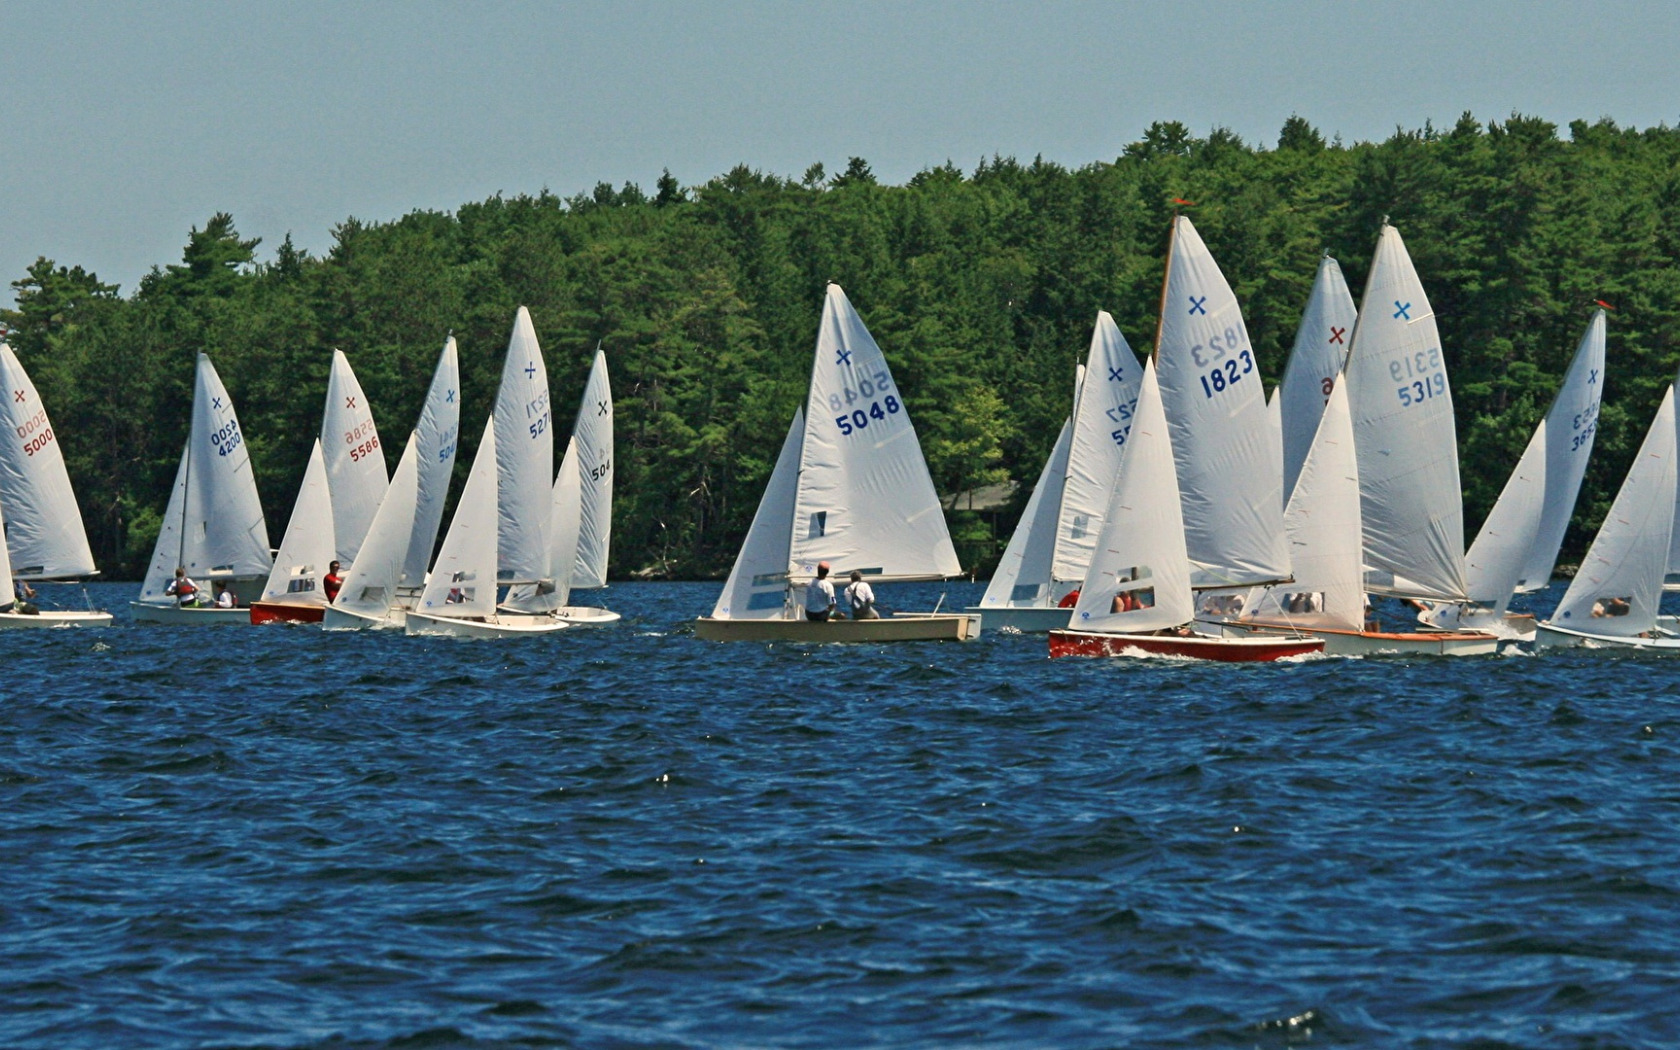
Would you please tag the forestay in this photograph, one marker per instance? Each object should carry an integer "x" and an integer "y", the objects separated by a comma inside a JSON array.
[
  {"x": 594, "y": 437},
  {"x": 308, "y": 546},
  {"x": 44, "y": 532},
  {"x": 865, "y": 499},
  {"x": 1404, "y": 433},
  {"x": 1321, "y": 346},
  {"x": 1140, "y": 552},
  {"x": 524, "y": 459},
  {"x": 463, "y": 582},
  {"x": 1323, "y": 524},
  {"x": 1102, "y": 419},
  {"x": 1518, "y": 544},
  {"x": 758, "y": 582},
  {"x": 1616, "y": 590},
  {"x": 1022, "y": 578},
  {"x": 370, "y": 587},
  {"x": 1230, "y": 476},
  {"x": 355, "y": 462},
  {"x": 566, "y": 505},
  {"x": 434, "y": 439}
]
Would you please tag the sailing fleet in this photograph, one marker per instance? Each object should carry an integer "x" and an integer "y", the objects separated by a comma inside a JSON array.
[{"x": 1180, "y": 513}]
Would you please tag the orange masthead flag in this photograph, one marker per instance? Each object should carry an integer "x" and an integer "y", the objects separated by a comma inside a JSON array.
[
  {"x": 1181, "y": 200},
  {"x": 1604, "y": 304}
]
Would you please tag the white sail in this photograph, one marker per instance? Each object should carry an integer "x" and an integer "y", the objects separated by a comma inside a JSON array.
[
  {"x": 566, "y": 505},
  {"x": 1229, "y": 476},
  {"x": 866, "y": 502},
  {"x": 370, "y": 587},
  {"x": 594, "y": 436},
  {"x": 308, "y": 546},
  {"x": 1616, "y": 590},
  {"x": 1403, "y": 429},
  {"x": 1518, "y": 543},
  {"x": 1322, "y": 521},
  {"x": 463, "y": 582},
  {"x": 355, "y": 462},
  {"x": 524, "y": 459},
  {"x": 1141, "y": 552},
  {"x": 1022, "y": 578},
  {"x": 435, "y": 438},
  {"x": 758, "y": 583},
  {"x": 6, "y": 594},
  {"x": 1321, "y": 345},
  {"x": 225, "y": 531},
  {"x": 44, "y": 532},
  {"x": 1102, "y": 419},
  {"x": 166, "y": 552}
]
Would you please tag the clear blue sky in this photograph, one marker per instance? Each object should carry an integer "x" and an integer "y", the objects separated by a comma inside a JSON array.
[{"x": 125, "y": 124}]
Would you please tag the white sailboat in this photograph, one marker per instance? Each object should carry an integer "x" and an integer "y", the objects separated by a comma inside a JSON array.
[
  {"x": 459, "y": 600},
  {"x": 580, "y": 550},
  {"x": 858, "y": 496},
  {"x": 295, "y": 592},
  {"x": 1321, "y": 345},
  {"x": 435, "y": 437},
  {"x": 44, "y": 536},
  {"x": 369, "y": 596},
  {"x": 355, "y": 462},
  {"x": 213, "y": 527},
  {"x": 1613, "y": 599},
  {"x": 1136, "y": 599},
  {"x": 1518, "y": 544},
  {"x": 566, "y": 506}
]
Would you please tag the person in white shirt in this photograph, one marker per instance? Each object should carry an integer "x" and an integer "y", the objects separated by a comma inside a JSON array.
[
  {"x": 819, "y": 596},
  {"x": 860, "y": 598},
  {"x": 225, "y": 598}
]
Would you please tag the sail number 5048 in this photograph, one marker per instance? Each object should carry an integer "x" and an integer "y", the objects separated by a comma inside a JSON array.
[
  {"x": 865, "y": 388},
  {"x": 858, "y": 419}
]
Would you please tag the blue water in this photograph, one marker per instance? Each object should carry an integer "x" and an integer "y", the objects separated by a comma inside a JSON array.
[{"x": 629, "y": 838}]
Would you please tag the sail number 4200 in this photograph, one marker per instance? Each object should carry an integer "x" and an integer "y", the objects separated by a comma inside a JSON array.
[{"x": 858, "y": 419}]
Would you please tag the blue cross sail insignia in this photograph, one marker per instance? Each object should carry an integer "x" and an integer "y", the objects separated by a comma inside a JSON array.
[
  {"x": 1402, "y": 311},
  {"x": 1198, "y": 305},
  {"x": 530, "y": 370},
  {"x": 842, "y": 357}
]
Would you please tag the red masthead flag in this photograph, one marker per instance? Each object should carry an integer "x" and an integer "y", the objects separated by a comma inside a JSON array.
[
  {"x": 1604, "y": 304},
  {"x": 1181, "y": 200}
]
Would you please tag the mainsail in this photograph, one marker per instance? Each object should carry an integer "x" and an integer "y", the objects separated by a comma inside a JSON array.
[
  {"x": 434, "y": 439},
  {"x": 757, "y": 584},
  {"x": 1022, "y": 577},
  {"x": 1321, "y": 345},
  {"x": 566, "y": 504},
  {"x": 524, "y": 459},
  {"x": 1229, "y": 476},
  {"x": 355, "y": 462},
  {"x": 463, "y": 582},
  {"x": 370, "y": 587},
  {"x": 44, "y": 532},
  {"x": 594, "y": 437},
  {"x": 1102, "y": 420},
  {"x": 865, "y": 499}
]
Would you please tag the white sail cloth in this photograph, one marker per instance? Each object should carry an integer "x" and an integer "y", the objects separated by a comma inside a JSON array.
[
  {"x": 566, "y": 504},
  {"x": 1403, "y": 428},
  {"x": 1139, "y": 579},
  {"x": 1229, "y": 475},
  {"x": 434, "y": 440},
  {"x": 1321, "y": 345},
  {"x": 758, "y": 582},
  {"x": 355, "y": 462},
  {"x": 1616, "y": 590},
  {"x": 44, "y": 532},
  {"x": 370, "y": 587},
  {"x": 1022, "y": 578},
  {"x": 463, "y": 582},
  {"x": 593, "y": 435},
  {"x": 1104, "y": 404},
  {"x": 865, "y": 500},
  {"x": 308, "y": 547},
  {"x": 524, "y": 459}
]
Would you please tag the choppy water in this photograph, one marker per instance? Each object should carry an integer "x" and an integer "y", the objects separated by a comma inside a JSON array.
[{"x": 627, "y": 838}]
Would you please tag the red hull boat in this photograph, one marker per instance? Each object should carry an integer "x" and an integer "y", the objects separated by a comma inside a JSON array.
[
  {"x": 1198, "y": 647},
  {"x": 276, "y": 612}
]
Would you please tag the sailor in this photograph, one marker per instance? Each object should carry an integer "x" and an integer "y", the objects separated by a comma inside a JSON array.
[
  {"x": 182, "y": 587},
  {"x": 22, "y": 604},
  {"x": 225, "y": 598},
  {"x": 331, "y": 582},
  {"x": 819, "y": 596},
  {"x": 860, "y": 598}
]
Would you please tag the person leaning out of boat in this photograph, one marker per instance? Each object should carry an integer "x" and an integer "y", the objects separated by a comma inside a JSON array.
[
  {"x": 819, "y": 596},
  {"x": 182, "y": 588},
  {"x": 22, "y": 600},
  {"x": 860, "y": 598},
  {"x": 331, "y": 582}
]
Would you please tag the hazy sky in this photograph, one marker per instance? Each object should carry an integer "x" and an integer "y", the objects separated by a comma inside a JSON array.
[{"x": 122, "y": 125}]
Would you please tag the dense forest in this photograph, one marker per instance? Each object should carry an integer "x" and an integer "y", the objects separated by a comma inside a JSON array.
[{"x": 981, "y": 287}]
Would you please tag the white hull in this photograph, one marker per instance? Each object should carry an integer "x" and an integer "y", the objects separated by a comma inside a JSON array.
[
  {"x": 586, "y": 616},
  {"x": 503, "y": 626},
  {"x": 56, "y": 618},
  {"x": 1550, "y": 637},
  {"x": 341, "y": 620},
  {"x": 902, "y": 627},
  {"x": 1024, "y": 618},
  {"x": 146, "y": 612},
  {"x": 1378, "y": 643}
]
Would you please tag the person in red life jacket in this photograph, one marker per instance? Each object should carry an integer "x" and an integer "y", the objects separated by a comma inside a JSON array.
[
  {"x": 331, "y": 582},
  {"x": 1069, "y": 600},
  {"x": 182, "y": 587}
]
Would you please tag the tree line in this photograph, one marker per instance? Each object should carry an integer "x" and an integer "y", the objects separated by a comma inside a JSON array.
[{"x": 981, "y": 287}]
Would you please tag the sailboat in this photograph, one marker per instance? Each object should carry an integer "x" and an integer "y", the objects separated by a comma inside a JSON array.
[
  {"x": 1051, "y": 548},
  {"x": 591, "y": 449},
  {"x": 1315, "y": 361},
  {"x": 1518, "y": 545},
  {"x": 1136, "y": 598},
  {"x": 851, "y": 488},
  {"x": 213, "y": 527},
  {"x": 44, "y": 536},
  {"x": 294, "y": 592},
  {"x": 355, "y": 462},
  {"x": 1613, "y": 599}
]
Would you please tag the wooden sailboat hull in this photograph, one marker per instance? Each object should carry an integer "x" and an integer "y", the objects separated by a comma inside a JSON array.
[
  {"x": 1197, "y": 647},
  {"x": 425, "y": 624},
  {"x": 1378, "y": 643},
  {"x": 900, "y": 627},
  {"x": 282, "y": 612},
  {"x": 1026, "y": 619},
  {"x": 1548, "y": 636},
  {"x": 56, "y": 618},
  {"x": 202, "y": 615}
]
